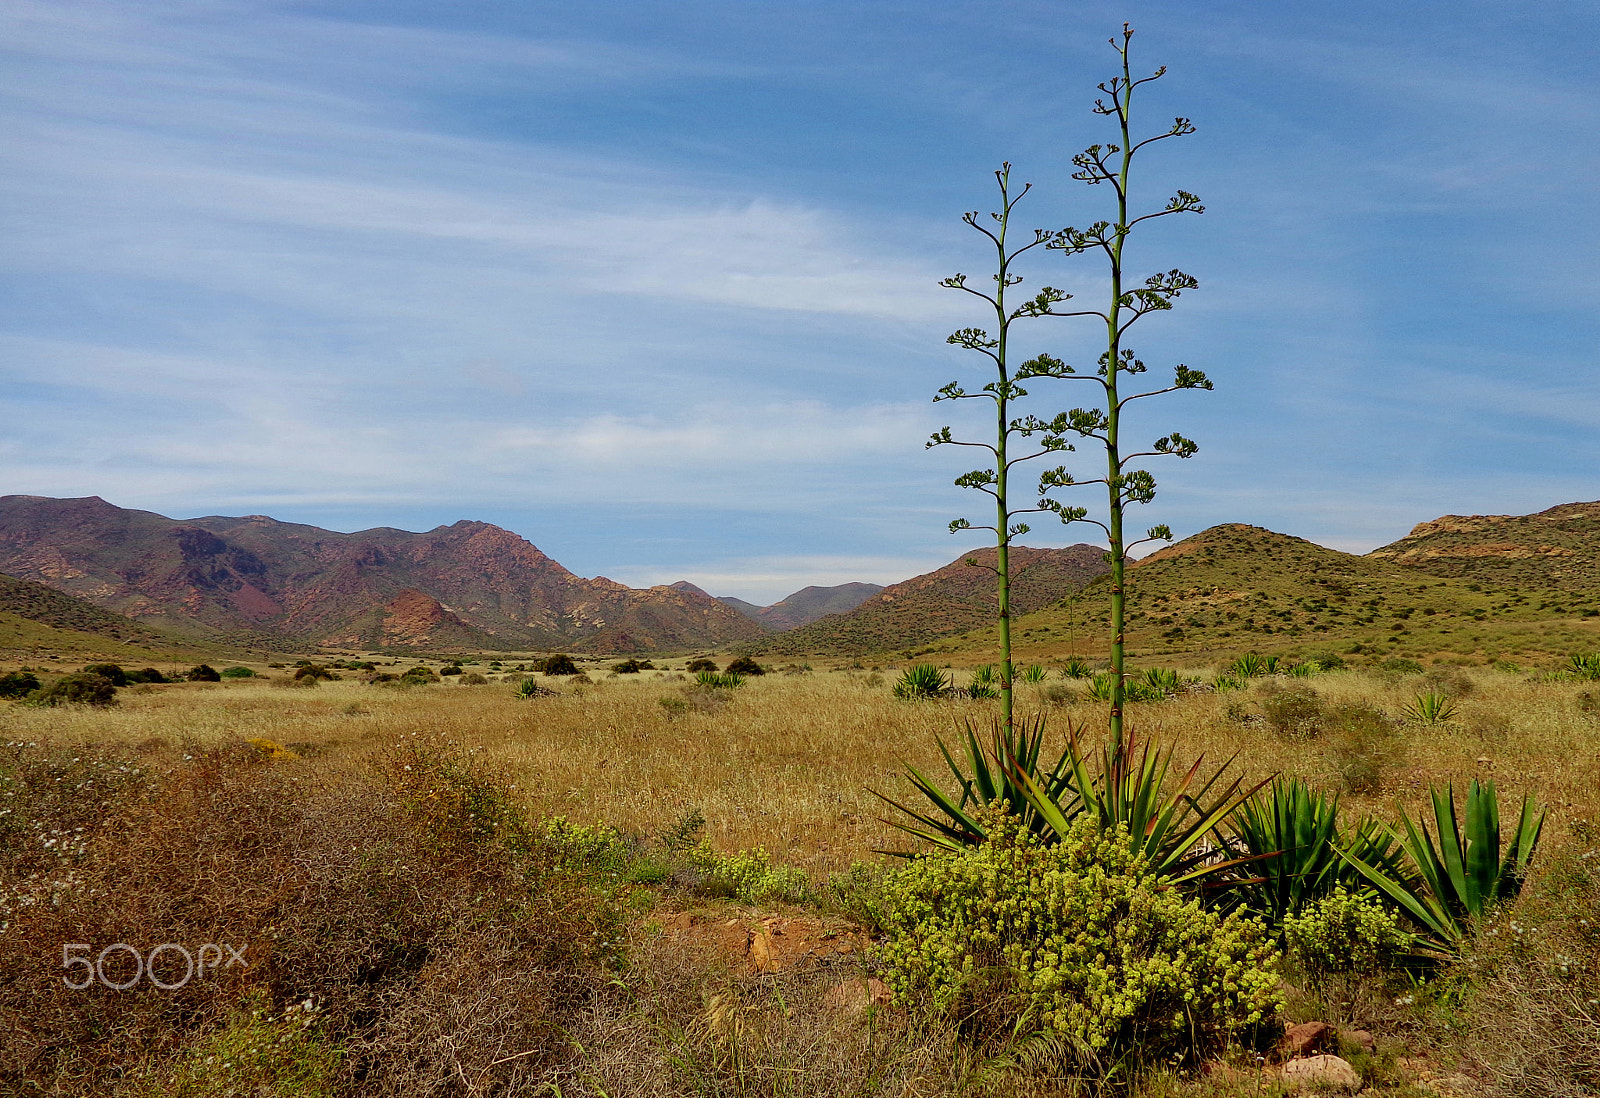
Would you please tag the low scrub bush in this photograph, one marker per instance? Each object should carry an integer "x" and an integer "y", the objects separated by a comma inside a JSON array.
[
  {"x": 744, "y": 665},
  {"x": 18, "y": 684},
  {"x": 437, "y": 932},
  {"x": 80, "y": 688},
  {"x": 1296, "y": 712},
  {"x": 1530, "y": 1027},
  {"x": 626, "y": 667},
  {"x": 1079, "y": 941},
  {"x": 203, "y": 672},
  {"x": 748, "y": 876},
  {"x": 1363, "y": 745},
  {"x": 237, "y": 673},
  {"x": 147, "y": 674},
  {"x": 695, "y": 666},
  {"x": 559, "y": 665},
  {"x": 1345, "y": 933},
  {"x": 111, "y": 671}
]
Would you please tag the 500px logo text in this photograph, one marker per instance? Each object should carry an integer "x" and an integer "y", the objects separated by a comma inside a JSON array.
[{"x": 167, "y": 966}]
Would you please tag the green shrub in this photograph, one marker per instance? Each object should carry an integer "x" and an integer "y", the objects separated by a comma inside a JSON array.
[
  {"x": 413, "y": 676},
  {"x": 626, "y": 667},
  {"x": 450, "y": 669},
  {"x": 111, "y": 671},
  {"x": 1294, "y": 712},
  {"x": 80, "y": 688},
  {"x": 748, "y": 876},
  {"x": 1363, "y": 745},
  {"x": 258, "y": 1051},
  {"x": 858, "y": 892},
  {"x": 1077, "y": 940},
  {"x": 698, "y": 665},
  {"x": 1346, "y": 932},
  {"x": 203, "y": 672},
  {"x": 744, "y": 665},
  {"x": 147, "y": 674},
  {"x": 559, "y": 664},
  {"x": 472, "y": 678},
  {"x": 1399, "y": 665},
  {"x": 18, "y": 684},
  {"x": 315, "y": 671},
  {"x": 237, "y": 673},
  {"x": 923, "y": 680}
]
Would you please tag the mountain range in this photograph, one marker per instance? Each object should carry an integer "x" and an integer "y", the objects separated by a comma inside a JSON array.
[{"x": 87, "y": 572}]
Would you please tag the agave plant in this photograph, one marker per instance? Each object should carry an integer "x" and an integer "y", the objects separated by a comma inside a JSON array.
[
  {"x": 1462, "y": 876},
  {"x": 923, "y": 680},
  {"x": 1076, "y": 669},
  {"x": 1033, "y": 674},
  {"x": 1583, "y": 667},
  {"x": 1250, "y": 665},
  {"x": 984, "y": 682},
  {"x": 1101, "y": 688},
  {"x": 1167, "y": 823},
  {"x": 1289, "y": 836},
  {"x": 1432, "y": 707},
  {"x": 1304, "y": 669},
  {"x": 989, "y": 780},
  {"x": 727, "y": 680},
  {"x": 1162, "y": 681}
]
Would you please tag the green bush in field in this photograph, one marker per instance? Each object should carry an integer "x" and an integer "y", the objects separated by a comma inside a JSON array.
[
  {"x": 744, "y": 665},
  {"x": 18, "y": 684},
  {"x": 626, "y": 667},
  {"x": 237, "y": 673},
  {"x": 1078, "y": 940},
  {"x": 111, "y": 671},
  {"x": 1346, "y": 932},
  {"x": 559, "y": 664},
  {"x": 747, "y": 875},
  {"x": 203, "y": 672},
  {"x": 147, "y": 674},
  {"x": 694, "y": 667},
  {"x": 81, "y": 688}
]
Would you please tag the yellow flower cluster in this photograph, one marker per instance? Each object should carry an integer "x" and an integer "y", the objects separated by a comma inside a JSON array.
[{"x": 1076, "y": 938}]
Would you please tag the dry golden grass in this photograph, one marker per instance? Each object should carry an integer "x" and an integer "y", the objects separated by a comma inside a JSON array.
[{"x": 789, "y": 761}]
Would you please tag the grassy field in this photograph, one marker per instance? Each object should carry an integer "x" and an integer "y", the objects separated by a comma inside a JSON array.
[
  {"x": 785, "y": 763},
  {"x": 788, "y": 760}
]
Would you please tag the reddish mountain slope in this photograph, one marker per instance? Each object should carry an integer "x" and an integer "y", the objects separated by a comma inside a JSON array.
[
  {"x": 469, "y": 584},
  {"x": 953, "y": 599}
]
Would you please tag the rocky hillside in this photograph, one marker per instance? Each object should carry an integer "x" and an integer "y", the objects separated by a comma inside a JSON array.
[
  {"x": 801, "y": 608},
  {"x": 1234, "y": 588},
  {"x": 467, "y": 585},
  {"x": 1554, "y": 550},
  {"x": 36, "y": 618},
  {"x": 956, "y": 598}
]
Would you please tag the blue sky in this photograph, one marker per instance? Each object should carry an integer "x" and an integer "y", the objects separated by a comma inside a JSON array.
[{"x": 653, "y": 284}]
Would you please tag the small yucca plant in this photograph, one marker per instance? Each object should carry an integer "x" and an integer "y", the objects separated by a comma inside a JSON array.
[
  {"x": 1077, "y": 669},
  {"x": 727, "y": 680},
  {"x": 983, "y": 682},
  {"x": 1033, "y": 674},
  {"x": 1583, "y": 667},
  {"x": 1252, "y": 665},
  {"x": 923, "y": 680},
  {"x": 1431, "y": 708}
]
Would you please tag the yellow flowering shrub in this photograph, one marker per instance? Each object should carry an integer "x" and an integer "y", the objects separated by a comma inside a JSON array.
[{"x": 1075, "y": 939}]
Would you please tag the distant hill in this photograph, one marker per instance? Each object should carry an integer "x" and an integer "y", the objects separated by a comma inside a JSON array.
[
  {"x": 36, "y": 617},
  {"x": 1235, "y": 587},
  {"x": 801, "y": 608},
  {"x": 467, "y": 585},
  {"x": 953, "y": 599},
  {"x": 1554, "y": 550},
  {"x": 811, "y": 603}
]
